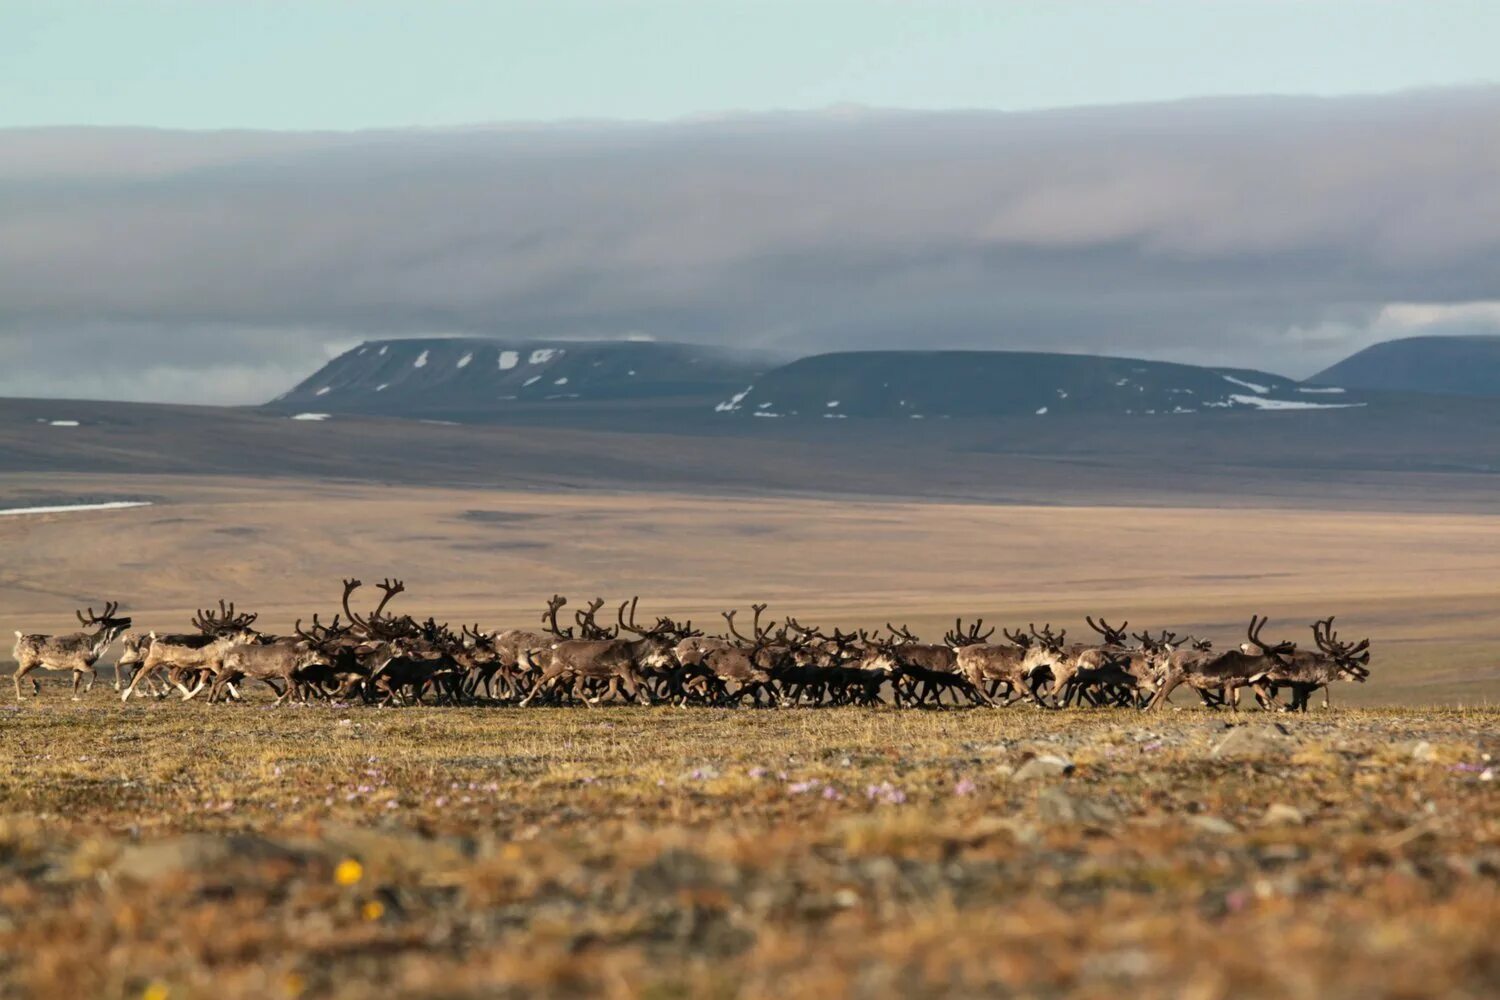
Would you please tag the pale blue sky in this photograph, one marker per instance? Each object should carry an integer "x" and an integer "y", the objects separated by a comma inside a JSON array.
[{"x": 321, "y": 64}]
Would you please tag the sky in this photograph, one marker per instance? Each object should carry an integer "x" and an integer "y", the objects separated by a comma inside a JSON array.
[
  {"x": 1268, "y": 184},
  {"x": 316, "y": 64}
]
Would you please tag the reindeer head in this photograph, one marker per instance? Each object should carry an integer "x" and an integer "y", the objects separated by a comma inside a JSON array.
[
  {"x": 1351, "y": 658},
  {"x": 107, "y": 626}
]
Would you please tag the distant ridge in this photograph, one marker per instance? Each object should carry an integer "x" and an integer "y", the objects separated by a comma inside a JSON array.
[
  {"x": 476, "y": 380},
  {"x": 470, "y": 378},
  {"x": 1467, "y": 366},
  {"x": 919, "y": 385}
]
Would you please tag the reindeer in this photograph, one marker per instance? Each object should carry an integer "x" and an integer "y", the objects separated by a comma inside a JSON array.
[
  {"x": 76, "y": 651},
  {"x": 182, "y": 668},
  {"x": 283, "y": 659},
  {"x": 199, "y": 662},
  {"x": 618, "y": 662},
  {"x": 1228, "y": 670},
  {"x": 1009, "y": 666},
  {"x": 1305, "y": 671},
  {"x": 911, "y": 662}
]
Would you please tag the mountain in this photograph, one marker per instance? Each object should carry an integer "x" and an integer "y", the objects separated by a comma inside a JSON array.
[
  {"x": 924, "y": 384},
  {"x": 472, "y": 379},
  {"x": 1467, "y": 366}
]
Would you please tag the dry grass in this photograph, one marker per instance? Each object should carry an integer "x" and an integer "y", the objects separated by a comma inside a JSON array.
[{"x": 659, "y": 852}]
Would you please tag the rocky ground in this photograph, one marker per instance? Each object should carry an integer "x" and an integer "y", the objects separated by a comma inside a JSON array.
[{"x": 176, "y": 851}]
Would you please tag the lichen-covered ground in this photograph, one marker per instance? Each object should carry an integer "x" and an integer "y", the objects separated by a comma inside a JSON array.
[{"x": 173, "y": 850}]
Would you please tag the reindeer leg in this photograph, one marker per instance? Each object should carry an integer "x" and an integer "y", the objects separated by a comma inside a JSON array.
[{"x": 77, "y": 678}]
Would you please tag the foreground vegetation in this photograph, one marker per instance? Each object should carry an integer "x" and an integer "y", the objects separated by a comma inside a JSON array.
[{"x": 187, "y": 850}]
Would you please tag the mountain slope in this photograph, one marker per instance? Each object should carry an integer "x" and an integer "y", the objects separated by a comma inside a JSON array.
[
  {"x": 923, "y": 384},
  {"x": 1468, "y": 366},
  {"x": 472, "y": 378}
]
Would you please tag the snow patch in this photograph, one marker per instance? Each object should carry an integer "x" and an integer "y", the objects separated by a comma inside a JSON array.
[
  {"x": 542, "y": 355},
  {"x": 323, "y": 391},
  {"x": 534, "y": 378},
  {"x": 421, "y": 361},
  {"x": 831, "y": 404},
  {"x": 1324, "y": 389},
  {"x": 1261, "y": 403},
  {"x": 733, "y": 402},
  {"x": 310, "y": 416},
  {"x": 763, "y": 413},
  {"x": 561, "y": 381},
  {"x": 1062, "y": 394},
  {"x": 382, "y": 387},
  {"x": 1041, "y": 410},
  {"x": 66, "y": 508},
  {"x": 509, "y": 359},
  {"x": 463, "y": 362},
  {"x": 382, "y": 350},
  {"x": 835, "y": 416},
  {"x": 631, "y": 372},
  {"x": 62, "y": 423},
  {"x": 1248, "y": 385}
]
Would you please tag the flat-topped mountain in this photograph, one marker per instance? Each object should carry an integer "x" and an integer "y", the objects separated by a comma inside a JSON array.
[
  {"x": 463, "y": 378},
  {"x": 925, "y": 384}
]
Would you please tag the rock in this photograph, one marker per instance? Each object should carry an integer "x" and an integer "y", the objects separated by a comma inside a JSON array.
[
  {"x": 1253, "y": 741},
  {"x": 1281, "y": 814},
  {"x": 1043, "y": 766},
  {"x": 194, "y": 853},
  {"x": 1214, "y": 825},
  {"x": 1057, "y": 806},
  {"x": 1423, "y": 751}
]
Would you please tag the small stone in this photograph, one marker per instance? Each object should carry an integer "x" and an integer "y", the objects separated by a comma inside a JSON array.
[
  {"x": 1252, "y": 741},
  {"x": 1043, "y": 766},
  {"x": 1281, "y": 814},
  {"x": 1057, "y": 806},
  {"x": 1423, "y": 751},
  {"x": 199, "y": 853},
  {"x": 1214, "y": 825}
]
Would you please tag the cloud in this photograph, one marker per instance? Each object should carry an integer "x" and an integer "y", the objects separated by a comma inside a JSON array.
[{"x": 1274, "y": 232}]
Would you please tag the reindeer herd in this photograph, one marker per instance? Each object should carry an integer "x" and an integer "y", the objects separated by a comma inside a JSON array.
[{"x": 380, "y": 657}]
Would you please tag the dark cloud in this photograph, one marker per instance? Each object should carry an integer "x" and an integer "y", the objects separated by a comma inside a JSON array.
[{"x": 1266, "y": 232}]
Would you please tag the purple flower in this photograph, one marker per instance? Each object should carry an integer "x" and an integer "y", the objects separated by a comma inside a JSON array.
[
  {"x": 832, "y": 794},
  {"x": 964, "y": 787},
  {"x": 1153, "y": 745},
  {"x": 757, "y": 773},
  {"x": 885, "y": 792},
  {"x": 803, "y": 787}
]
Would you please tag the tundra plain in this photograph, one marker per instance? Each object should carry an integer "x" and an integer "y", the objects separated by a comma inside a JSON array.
[{"x": 177, "y": 850}]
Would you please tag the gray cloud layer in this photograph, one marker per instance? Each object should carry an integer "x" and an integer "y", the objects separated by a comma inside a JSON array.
[{"x": 1265, "y": 232}]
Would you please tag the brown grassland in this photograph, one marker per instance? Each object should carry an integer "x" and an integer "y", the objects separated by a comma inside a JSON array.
[
  {"x": 171, "y": 850},
  {"x": 189, "y": 850}
]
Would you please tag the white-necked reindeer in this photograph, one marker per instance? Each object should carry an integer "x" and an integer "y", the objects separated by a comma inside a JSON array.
[{"x": 76, "y": 651}]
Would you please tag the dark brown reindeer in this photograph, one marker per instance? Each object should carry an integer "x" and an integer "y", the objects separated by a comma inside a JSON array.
[
  {"x": 922, "y": 673},
  {"x": 1227, "y": 671},
  {"x": 75, "y": 651},
  {"x": 1305, "y": 670},
  {"x": 618, "y": 663}
]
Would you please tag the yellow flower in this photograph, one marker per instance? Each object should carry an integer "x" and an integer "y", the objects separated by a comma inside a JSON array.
[
  {"x": 373, "y": 910},
  {"x": 348, "y": 872},
  {"x": 156, "y": 991},
  {"x": 294, "y": 984}
]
